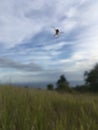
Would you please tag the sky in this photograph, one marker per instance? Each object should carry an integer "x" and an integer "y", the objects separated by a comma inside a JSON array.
[{"x": 29, "y": 51}]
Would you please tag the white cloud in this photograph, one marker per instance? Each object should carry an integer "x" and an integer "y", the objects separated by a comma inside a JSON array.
[
  {"x": 21, "y": 20},
  {"x": 14, "y": 25},
  {"x": 54, "y": 47}
]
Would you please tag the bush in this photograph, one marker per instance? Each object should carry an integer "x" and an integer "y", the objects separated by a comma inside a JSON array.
[{"x": 50, "y": 86}]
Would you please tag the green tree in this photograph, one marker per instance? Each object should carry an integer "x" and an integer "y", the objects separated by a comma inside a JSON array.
[
  {"x": 62, "y": 84},
  {"x": 50, "y": 86},
  {"x": 91, "y": 78}
]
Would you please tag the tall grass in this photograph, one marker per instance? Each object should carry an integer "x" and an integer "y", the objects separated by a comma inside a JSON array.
[{"x": 29, "y": 109}]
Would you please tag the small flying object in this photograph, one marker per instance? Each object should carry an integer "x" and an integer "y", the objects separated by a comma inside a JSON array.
[{"x": 57, "y": 32}]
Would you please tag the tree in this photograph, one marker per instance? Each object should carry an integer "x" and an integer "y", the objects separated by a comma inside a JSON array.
[
  {"x": 62, "y": 84},
  {"x": 50, "y": 86},
  {"x": 91, "y": 78}
]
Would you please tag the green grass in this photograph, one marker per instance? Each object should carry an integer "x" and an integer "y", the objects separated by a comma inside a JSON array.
[{"x": 29, "y": 109}]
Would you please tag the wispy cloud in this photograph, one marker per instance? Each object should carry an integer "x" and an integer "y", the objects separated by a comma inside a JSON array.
[{"x": 27, "y": 36}]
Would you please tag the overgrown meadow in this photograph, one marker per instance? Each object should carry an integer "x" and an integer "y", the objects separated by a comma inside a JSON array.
[{"x": 31, "y": 109}]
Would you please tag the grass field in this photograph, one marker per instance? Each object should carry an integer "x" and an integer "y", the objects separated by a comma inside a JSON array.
[{"x": 29, "y": 109}]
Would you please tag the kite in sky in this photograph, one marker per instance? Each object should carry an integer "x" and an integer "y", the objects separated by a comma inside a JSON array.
[{"x": 57, "y": 32}]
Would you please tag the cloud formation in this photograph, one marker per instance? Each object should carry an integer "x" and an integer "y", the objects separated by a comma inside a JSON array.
[
  {"x": 7, "y": 63},
  {"x": 27, "y": 34}
]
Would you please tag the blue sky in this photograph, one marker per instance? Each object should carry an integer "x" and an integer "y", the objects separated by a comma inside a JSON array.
[{"x": 29, "y": 52}]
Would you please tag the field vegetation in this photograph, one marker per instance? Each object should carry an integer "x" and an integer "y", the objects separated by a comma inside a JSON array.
[{"x": 32, "y": 109}]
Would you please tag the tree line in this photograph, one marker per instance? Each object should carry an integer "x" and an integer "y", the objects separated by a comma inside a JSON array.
[{"x": 90, "y": 82}]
